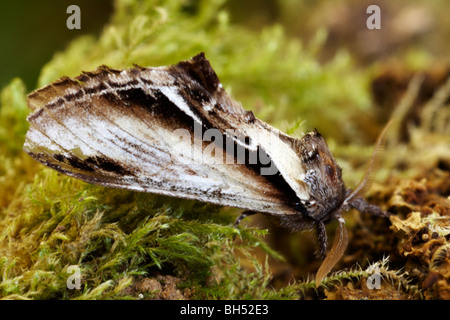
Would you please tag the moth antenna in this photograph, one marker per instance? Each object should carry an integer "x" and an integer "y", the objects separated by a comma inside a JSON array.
[
  {"x": 367, "y": 181},
  {"x": 337, "y": 251}
]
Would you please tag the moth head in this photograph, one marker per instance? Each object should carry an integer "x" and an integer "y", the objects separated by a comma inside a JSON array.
[
  {"x": 352, "y": 198},
  {"x": 323, "y": 176},
  {"x": 324, "y": 179}
]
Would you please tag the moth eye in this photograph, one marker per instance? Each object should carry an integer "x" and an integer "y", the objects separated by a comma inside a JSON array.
[
  {"x": 329, "y": 170},
  {"x": 310, "y": 155}
]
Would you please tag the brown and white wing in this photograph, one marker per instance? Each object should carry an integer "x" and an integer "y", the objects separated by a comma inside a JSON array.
[
  {"x": 116, "y": 128},
  {"x": 199, "y": 87}
]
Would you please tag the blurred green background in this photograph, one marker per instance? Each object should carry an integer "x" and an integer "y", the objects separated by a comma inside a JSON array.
[{"x": 32, "y": 31}]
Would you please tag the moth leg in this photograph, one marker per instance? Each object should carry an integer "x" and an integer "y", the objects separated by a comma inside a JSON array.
[
  {"x": 362, "y": 205},
  {"x": 322, "y": 238},
  {"x": 242, "y": 216}
]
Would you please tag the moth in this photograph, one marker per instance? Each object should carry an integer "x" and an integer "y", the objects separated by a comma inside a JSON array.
[{"x": 175, "y": 131}]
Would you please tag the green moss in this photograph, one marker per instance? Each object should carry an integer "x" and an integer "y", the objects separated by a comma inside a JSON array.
[
  {"x": 121, "y": 239},
  {"x": 113, "y": 235},
  {"x": 50, "y": 222}
]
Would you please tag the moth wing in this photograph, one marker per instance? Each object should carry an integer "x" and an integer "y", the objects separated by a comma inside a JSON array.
[
  {"x": 126, "y": 129},
  {"x": 201, "y": 89}
]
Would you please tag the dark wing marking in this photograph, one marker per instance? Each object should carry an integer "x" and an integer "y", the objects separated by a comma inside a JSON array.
[
  {"x": 116, "y": 128},
  {"x": 199, "y": 86}
]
